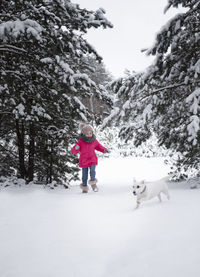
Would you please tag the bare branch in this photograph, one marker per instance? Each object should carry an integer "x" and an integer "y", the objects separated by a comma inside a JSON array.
[
  {"x": 11, "y": 48},
  {"x": 4, "y": 149},
  {"x": 167, "y": 87},
  {"x": 5, "y": 113}
]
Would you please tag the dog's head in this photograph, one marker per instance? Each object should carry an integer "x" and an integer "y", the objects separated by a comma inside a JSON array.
[{"x": 138, "y": 187}]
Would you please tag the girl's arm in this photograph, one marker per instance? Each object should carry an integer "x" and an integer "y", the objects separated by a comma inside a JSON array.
[
  {"x": 101, "y": 148},
  {"x": 76, "y": 148}
]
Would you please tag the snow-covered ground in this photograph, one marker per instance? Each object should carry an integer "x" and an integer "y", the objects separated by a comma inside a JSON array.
[{"x": 59, "y": 233}]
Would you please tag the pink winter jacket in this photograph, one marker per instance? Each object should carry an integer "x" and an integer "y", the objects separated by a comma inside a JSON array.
[{"x": 87, "y": 152}]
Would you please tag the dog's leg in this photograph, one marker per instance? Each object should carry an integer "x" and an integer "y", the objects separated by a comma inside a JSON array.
[
  {"x": 166, "y": 192},
  {"x": 137, "y": 206},
  {"x": 159, "y": 197}
]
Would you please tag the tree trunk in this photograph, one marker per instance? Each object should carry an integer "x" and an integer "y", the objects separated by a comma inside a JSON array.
[
  {"x": 31, "y": 152},
  {"x": 51, "y": 163},
  {"x": 91, "y": 104},
  {"x": 21, "y": 150}
]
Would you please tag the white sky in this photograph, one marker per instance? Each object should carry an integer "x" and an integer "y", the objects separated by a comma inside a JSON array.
[{"x": 136, "y": 23}]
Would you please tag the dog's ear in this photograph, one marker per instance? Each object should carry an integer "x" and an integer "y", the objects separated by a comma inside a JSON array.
[
  {"x": 142, "y": 182},
  {"x": 134, "y": 180}
]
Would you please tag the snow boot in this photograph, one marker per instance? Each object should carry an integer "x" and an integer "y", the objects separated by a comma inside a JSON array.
[
  {"x": 93, "y": 184},
  {"x": 84, "y": 188}
]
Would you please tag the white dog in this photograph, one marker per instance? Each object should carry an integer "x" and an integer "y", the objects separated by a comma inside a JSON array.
[{"x": 145, "y": 191}]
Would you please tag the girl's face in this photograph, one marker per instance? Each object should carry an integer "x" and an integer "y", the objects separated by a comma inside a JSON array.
[{"x": 88, "y": 134}]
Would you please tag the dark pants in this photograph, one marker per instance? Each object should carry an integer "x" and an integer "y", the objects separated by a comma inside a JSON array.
[{"x": 85, "y": 174}]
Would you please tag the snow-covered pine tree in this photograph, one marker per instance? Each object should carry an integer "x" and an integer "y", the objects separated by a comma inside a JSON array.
[
  {"x": 176, "y": 100},
  {"x": 127, "y": 109},
  {"x": 99, "y": 104},
  {"x": 165, "y": 98},
  {"x": 41, "y": 44}
]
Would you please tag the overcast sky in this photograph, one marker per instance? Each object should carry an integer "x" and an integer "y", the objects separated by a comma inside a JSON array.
[{"x": 136, "y": 23}]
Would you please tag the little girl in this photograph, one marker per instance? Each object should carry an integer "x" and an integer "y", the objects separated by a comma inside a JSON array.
[{"x": 87, "y": 145}]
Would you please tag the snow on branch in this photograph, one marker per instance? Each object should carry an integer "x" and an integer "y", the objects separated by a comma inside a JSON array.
[
  {"x": 85, "y": 78},
  {"x": 82, "y": 107},
  {"x": 5, "y": 15},
  {"x": 193, "y": 100},
  {"x": 65, "y": 66},
  {"x": 108, "y": 119},
  {"x": 18, "y": 27},
  {"x": 193, "y": 128},
  {"x": 47, "y": 60},
  {"x": 16, "y": 73}
]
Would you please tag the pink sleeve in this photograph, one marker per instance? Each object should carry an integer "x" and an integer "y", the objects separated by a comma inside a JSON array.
[
  {"x": 76, "y": 148},
  {"x": 100, "y": 148}
]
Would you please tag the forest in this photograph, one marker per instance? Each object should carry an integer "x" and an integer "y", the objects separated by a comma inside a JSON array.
[{"x": 52, "y": 78}]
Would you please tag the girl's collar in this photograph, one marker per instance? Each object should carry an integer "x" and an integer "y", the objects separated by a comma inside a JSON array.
[{"x": 88, "y": 139}]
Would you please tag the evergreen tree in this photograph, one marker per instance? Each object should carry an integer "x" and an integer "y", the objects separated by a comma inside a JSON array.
[
  {"x": 176, "y": 104},
  {"x": 99, "y": 104},
  {"x": 166, "y": 97},
  {"x": 41, "y": 45}
]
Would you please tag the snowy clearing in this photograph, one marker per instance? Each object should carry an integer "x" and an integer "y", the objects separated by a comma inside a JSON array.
[{"x": 59, "y": 233}]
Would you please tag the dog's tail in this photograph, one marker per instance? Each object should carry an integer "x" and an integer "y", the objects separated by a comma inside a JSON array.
[{"x": 166, "y": 178}]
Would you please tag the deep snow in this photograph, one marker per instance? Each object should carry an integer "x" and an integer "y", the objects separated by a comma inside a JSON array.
[{"x": 59, "y": 233}]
